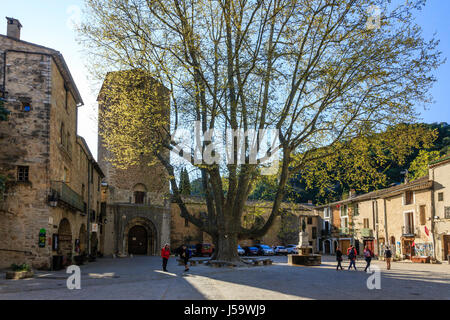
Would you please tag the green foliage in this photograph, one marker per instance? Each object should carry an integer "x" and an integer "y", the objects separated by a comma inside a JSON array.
[
  {"x": 289, "y": 227},
  {"x": 20, "y": 267},
  {"x": 419, "y": 166},
  {"x": 185, "y": 185}
]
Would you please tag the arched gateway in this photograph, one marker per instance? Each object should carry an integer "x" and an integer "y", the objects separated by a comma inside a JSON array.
[{"x": 140, "y": 237}]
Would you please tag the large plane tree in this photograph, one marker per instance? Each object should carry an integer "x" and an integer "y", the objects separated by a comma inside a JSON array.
[{"x": 321, "y": 72}]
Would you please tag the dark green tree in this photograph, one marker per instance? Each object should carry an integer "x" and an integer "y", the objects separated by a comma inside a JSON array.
[{"x": 185, "y": 184}]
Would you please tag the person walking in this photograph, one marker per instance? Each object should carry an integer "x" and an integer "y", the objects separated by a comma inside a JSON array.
[
  {"x": 388, "y": 256},
  {"x": 351, "y": 253},
  {"x": 368, "y": 254},
  {"x": 339, "y": 258},
  {"x": 185, "y": 255},
  {"x": 165, "y": 254}
]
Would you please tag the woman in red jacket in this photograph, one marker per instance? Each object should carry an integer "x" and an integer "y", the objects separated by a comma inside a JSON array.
[{"x": 165, "y": 254}]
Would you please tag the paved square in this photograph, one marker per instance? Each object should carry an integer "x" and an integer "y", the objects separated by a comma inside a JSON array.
[{"x": 142, "y": 278}]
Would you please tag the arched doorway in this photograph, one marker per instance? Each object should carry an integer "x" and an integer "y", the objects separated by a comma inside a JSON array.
[
  {"x": 137, "y": 240},
  {"x": 140, "y": 236},
  {"x": 140, "y": 193},
  {"x": 65, "y": 239},
  {"x": 327, "y": 247}
]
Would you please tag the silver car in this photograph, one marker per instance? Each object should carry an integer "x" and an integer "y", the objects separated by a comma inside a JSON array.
[
  {"x": 292, "y": 249},
  {"x": 280, "y": 250}
]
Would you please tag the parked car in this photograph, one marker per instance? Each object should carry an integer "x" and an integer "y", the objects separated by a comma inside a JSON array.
[
  {"x": 292, "y": 249},
  {"x": 251, "y": 251},
  {"x": 241, "y": 251},
  {"x": 192, "y": 249},
  {"x": 204, "y": 249},
  {"x": 264, "y": 250},
  {"x": 280, "y": 250}
]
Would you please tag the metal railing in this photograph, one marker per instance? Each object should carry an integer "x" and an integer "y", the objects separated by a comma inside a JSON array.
[
  {"x": 62, "y": 192},
  {"x": 408, "y": 231}
]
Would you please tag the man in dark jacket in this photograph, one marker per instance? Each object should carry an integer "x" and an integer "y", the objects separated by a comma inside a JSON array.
[
  {"x": 338, "y": 258},
  {"x": 388, "y": 256},
  {"x": 185, "y": 255},
  {"x": 351, "y": 253}
]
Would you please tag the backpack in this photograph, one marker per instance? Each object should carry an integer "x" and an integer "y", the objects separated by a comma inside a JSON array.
[
  {"x": 351, "y": 254},
  {"x": 367, "y": 254}
]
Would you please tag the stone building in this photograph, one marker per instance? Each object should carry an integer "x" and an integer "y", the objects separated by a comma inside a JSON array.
[
  {"x": 282, "y": 232},
  {"x": 440, "y": 175},
  {"x": 399, "y": 216},
  {"x": 135, "y": 199},
  {"x": 53, "y": 182}
]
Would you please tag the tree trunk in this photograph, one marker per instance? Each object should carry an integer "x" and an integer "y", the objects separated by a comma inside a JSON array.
[{"x": 226, "y": 249}]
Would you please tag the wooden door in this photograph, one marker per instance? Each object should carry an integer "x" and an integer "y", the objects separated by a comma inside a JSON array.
[
  {"x": 446, "y": 246},
  {"x": 137, "y": 240},
  {"x": 344, "y": 244},
  {"x": 408, "y": 249}
]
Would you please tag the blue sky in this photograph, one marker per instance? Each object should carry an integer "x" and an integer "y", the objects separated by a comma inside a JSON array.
[{"x": 48, "y": 23}]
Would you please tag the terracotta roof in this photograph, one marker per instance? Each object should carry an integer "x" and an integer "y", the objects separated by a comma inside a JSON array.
[{"x": 440, "y": 161}]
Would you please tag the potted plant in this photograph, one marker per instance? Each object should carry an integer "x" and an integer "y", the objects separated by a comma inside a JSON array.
[{"x": 19, "y": 271}]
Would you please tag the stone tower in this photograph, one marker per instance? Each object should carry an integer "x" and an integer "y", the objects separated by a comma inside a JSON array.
[{"x": 136, "y": 197}]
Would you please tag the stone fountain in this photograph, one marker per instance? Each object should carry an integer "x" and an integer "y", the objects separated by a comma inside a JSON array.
[{"x": 305, "y": 257}]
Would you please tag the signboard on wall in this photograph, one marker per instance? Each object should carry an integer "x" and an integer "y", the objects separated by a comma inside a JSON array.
[
  {"x": 42, "y": 238},
  {"x": 94, "y": 227}
]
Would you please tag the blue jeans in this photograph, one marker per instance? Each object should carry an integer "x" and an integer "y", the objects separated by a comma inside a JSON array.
[{"x": 352, "y": 263}]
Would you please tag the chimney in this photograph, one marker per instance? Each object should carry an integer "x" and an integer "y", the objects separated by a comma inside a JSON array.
[
  {"x": 13, "y": 29},
  {"x": 351, "y": 193}
]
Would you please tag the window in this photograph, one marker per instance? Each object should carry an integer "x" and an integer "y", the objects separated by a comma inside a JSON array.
[
  {"x": 356, "y": 209},
  {"x": 366, "y": 223},
  {"x": 423, "y": 220},
  {"x": 447, "y": 212},
  {"x": 409, "y": 223},
  {"x": 98, "y": 183},
  {"x": 409, "y": 197},
  {"x": 139, "y": 197},
  {"x": 326, "y": 212},
  {"x": 344, "y": 211},
  {"x": 63, "y": 135},
  {"x": 440, "y": 196},
  {"x": 314, "y": 232},
  {"x": 309, "y": 220},
  {"x": 22, "y": 173}
]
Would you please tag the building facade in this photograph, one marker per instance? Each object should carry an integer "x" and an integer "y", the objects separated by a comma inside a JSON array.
[
  {"x": 440, "y": 175},
  {"x": 52, "y": 181}
]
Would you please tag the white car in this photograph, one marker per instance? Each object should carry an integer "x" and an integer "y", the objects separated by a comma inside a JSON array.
[
  {"x": 280, "y": 250},
  {"x": 292, "y": 249},
  {"x": 241, "y": 251}
]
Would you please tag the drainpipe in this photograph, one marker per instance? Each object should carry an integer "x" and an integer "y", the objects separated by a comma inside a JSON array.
[{"x": 88, "y": 208}]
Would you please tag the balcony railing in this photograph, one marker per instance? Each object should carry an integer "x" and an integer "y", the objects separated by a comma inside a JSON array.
[
  {"x": 366, "y": 232},
  {"x": 345, "y": 231},
  {"x": 408, "y": 231},
  {"x": 61, "y": 192}
]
